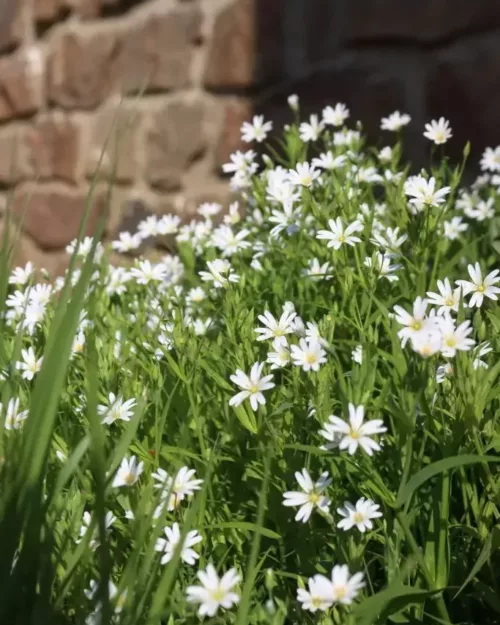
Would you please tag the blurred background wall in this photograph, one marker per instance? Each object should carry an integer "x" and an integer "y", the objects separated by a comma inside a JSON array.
[{"x": 169, "y": 82}]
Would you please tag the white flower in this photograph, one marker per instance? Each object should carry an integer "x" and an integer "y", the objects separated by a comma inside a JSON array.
[
  {"x": 257, "y": 130},
  {"x": 310, "y": 131},
  {"x": 454, "y": 339},
  {"x": 357, "y": 354},
  {"x": 128, "y": 472},
  {"x": 78, "y": 343},
  {"x": 293, "y": 101},
  {"x": 109, "y": 519},
  {"x": 252, "y": 386},
  {"x": 337, "y": 235},
  {"x": 14, "y": 417},
  {"x": 315, "y": 271},
  {"x": 427, "y": 343},
  {"x": 116, "y": 410},
  {"x": 490, "y": 160},
  {"x": 479, "y": 287},
  {"x": 22, "y": 275},
  {"x": 308, "y": 354},
  {"x": 359, "y": 515},
  {"x": 443, "y": 372},
  {"x": 173, "y": 536},
  {"x": 346, "y": 138},
  {"x": 303, "y": 175},
  {"x": 287, "y": 219},
  {"x": 313, "y": 600},
  {"x": 29, "y": 365},
  {"x": 438, "y": 131},
  {"x": 126, "y": 242},
  {"x": 423, "y": 192},
  {"x": 328, "y": 161},
  {"x": 382, "y": 267},
  {"x": 390, "y": 239},
  {"x": 354, "y": 433},
  {"x": 311, "y": 498},
  {"x": 214, "y": 592},
  {"x": 275, "y": 328},
  {"x": 395, "y": 121},
  {"x": 145, "y": 272},
  {"x": 148, "y": 227},
  {"x": 196, "y": 295},
  {"x": 233, "y": 216},
  {"x": 335, "y": 116},
  {"x": 169, "y": 224},
  {"x": 414, "y": 324},
  {"x": 453, "y": 228},
  {"x": 201, "y": 326},
  {"x": 481, "y": 350},
  {"x": 484, "y": 210},
  {"x": 342, "y": 587},
  {"x": 219, "y": 272},
  {"x": 183, "y": 485},
  {"x": 447, "y": 299},
  {"x": 240, "y": 162},
  {"x": 385, "y": 154},
  {"x": 228, "y": 241},
  {"x": 209, "y": 209},
  {"x": 280, "y": 357}
]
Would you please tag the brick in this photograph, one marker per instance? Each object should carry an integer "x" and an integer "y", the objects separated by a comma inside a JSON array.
[
  {"x": 53, "y": 148},
  {"x": 235, "y": 113},
  {"x": 52, "y": 213},
  {"x": 83, "y": 67},
  {"x": 118, "y": 128},
  {"x": 21, "y": 84},
  {"x": 10, "y": 26},
  {"x": 157, "y": 52},
  {"x": 464, "y": 86},
  {"x": 247, "y": 44},
  {"x": 425, "y": 21},
  {"x": 175, "y": 139}
]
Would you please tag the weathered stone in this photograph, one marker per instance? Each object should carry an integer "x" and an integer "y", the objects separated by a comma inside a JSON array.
[
  {"x": 118, "y": 130},
  {"x": 21, "y": 83},
  {"x": 11, "y": 157},
  {"x": 53, "y": 148},
  {"x": 23, "y": 250},
  {"x": 464, "y": 86},
  {"x": 175, "y": 139},
  {"x": 83, "y": 69},
  {"x": 157, "y": 53},
  {"x": 9, "y": 24},
  {"x": 235, "y": 113},
  {"x": 426, "y": 21},
  {"x": 52, "y": 213},
  {"x": 247, "y": 44}
]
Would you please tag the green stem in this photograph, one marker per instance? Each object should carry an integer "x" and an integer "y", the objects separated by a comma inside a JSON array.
[{"x": 440, "y": 604}]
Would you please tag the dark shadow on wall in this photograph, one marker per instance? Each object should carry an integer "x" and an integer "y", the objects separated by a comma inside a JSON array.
[{"x": 430, "y": 59}]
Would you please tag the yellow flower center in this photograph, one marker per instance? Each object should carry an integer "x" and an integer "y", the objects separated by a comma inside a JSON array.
[
  {"x": 358, "y": 517},
  {"x": 254, "y": 388},
  {"x": 481, "y": 288},
  {"x": 341, "y": 592},
  {"x": 311, "y": 359},
  {"x": 354, "y": 434},
  {"x": 416, "y": 325},
  {"x": 218, "y": 594},
  {"x": 451, "y": 341},
  {"x": 278, "y": 332},
  {"x": 129, "y": 478},
  {"x": 316, "y": 602},
  {"x": 314, "y": 497}
]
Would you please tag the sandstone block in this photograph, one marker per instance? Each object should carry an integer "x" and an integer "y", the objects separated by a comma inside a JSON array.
[
  {"x": 52, "y": 213},
  {"x": 157, "y": 52},
  {"x": 21, "y": 83},
  {"x": 83, "y": 67},
  {"x": 175, "y": 139},
  {"x": 235, "y": 113}
]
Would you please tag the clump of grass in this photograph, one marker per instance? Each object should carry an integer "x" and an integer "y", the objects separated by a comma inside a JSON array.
[{"x": 293, "y": 420}]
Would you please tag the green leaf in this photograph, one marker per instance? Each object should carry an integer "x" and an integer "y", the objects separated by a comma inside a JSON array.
[
  {"x": 436, "y": 468},
  {"x": 246, "y": 527}
]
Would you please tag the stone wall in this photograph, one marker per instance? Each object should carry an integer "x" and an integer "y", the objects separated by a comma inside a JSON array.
[
  {"x": 166, "y": 84},
  {"x": 124, "y": 88}
]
